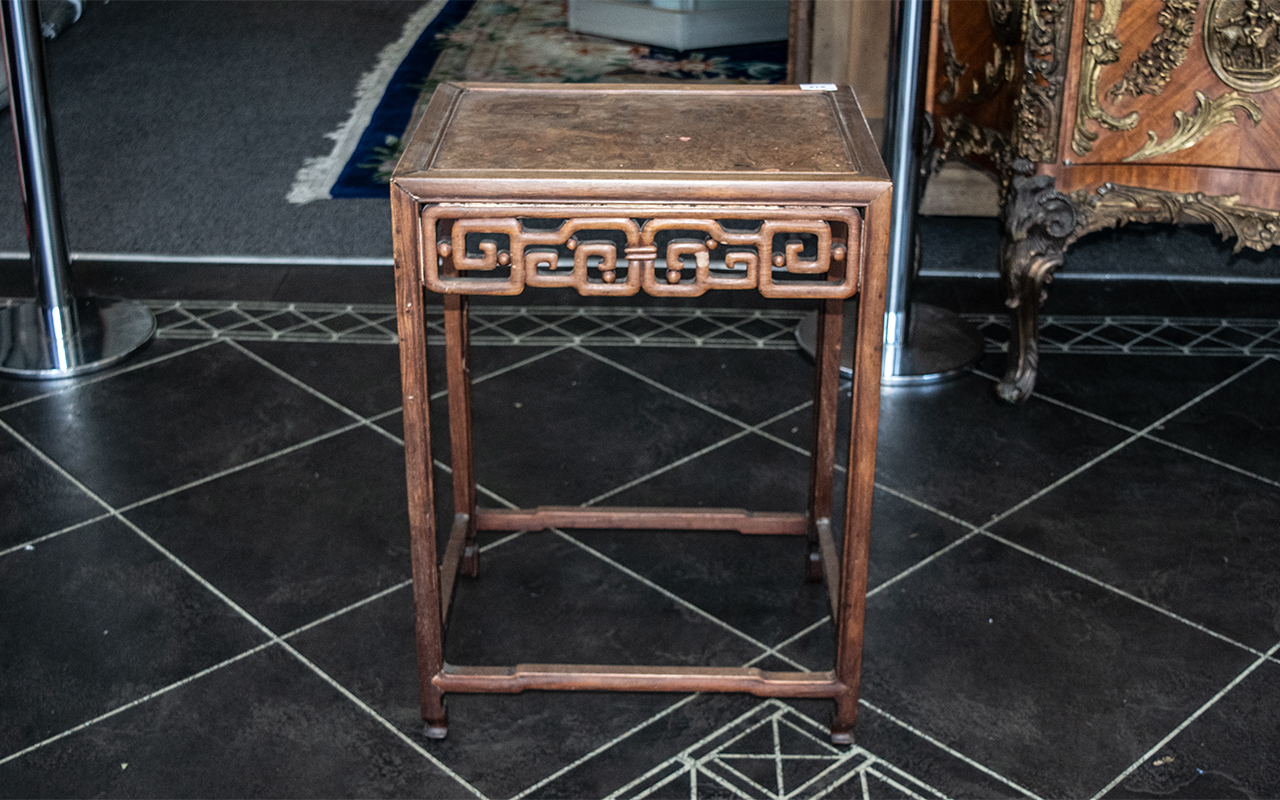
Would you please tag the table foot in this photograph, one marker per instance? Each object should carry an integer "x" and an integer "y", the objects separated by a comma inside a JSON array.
[
  {"x": 470, "y": 566},
  {"x": 436, "y": 730},
  {"x": 813, "y": 565}
]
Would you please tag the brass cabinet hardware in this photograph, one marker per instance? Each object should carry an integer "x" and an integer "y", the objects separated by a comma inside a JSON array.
[
  {"x": 1151, "y": 70},
  {"x": 1100, "y": 47},
  {"x": 1210, "y": 115}
]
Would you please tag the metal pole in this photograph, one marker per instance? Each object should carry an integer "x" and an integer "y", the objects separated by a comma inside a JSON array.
[
  {"x": 901, "y": 145},
  {"x": 56, "y": 335},
  {"x": 922, "y": 344}
]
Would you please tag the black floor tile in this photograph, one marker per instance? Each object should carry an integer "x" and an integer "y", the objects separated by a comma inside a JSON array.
[
  {"x": 568, "y": 427},
  {"x": 1238, "y": 424},
  {"x": 295, "y": 537},
  {"x": 1044, "y": 678},
  {"x": 543, "y": 599},
  {"x": 958, "y": 448},
  {"x": 38, "y": 499},
  {"x": 363, "y": 377},
  {"x": 13, "y": 390},
  {"x": 1228, "y": 751},
  {"x": 264, "y": 726},
  {"x": 748, "y": 385},
  {"x": 1132, "y": 390},
  {"x": 500, "y": 743},
  {"x": 158, "y": 427},
  {"x": 96, "y": 618},
  {"x": 962, "y": 450},
  {"x": 756, "y": 583},
  {"x": 1172, "y": 529},
  {"x": 948, "y": 774}
]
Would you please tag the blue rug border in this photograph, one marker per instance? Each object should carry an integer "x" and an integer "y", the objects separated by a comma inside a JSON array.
[{"x": 395, "y": 108}]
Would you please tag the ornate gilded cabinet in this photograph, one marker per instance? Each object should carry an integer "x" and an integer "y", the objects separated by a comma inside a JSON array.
[{"x": 1095, "y": 113}]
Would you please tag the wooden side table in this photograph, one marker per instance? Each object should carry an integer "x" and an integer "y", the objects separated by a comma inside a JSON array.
[{"x": 612, "y": 190}]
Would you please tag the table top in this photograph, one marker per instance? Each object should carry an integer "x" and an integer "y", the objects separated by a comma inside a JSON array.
[{"x": 642, "y": 142}]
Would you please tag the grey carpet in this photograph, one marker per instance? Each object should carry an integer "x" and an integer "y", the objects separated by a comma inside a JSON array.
[{"x": 180, "y": 126}]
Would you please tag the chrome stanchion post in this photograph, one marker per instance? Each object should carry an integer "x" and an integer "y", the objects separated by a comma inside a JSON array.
[
  {"x": 56, "y": 335},
  {"x": 922, "y": 344}
]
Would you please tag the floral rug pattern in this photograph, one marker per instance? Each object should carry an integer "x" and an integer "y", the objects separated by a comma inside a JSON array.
[{"x": 528, "y": 41}]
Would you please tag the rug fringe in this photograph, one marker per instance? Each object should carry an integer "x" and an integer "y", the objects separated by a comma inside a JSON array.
[{"x": 319, "y": 173}]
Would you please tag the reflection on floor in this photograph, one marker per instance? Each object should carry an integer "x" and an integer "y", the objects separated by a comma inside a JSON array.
[{"x": 204, "y": 570}]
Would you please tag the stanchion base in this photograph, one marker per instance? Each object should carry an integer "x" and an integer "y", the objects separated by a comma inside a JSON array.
[
  {"x": 105, "y": 331},
  {"x": 940, "y": 344}
]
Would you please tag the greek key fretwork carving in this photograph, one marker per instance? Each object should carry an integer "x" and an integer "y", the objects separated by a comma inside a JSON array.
[{"x": 499, "y": 250}]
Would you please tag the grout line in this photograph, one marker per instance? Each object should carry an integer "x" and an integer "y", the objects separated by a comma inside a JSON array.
[
  {"x": 309, "y": 390},
  {"x": 40, "y": 454},
  {"x": 1116, "y": 448},
  {"x": 665, "y": 712},
  {"x": 672, "y": 596},
  {"x": 87, "y": 381},
  {"x": 949, "y": 750},
  {"x": 502, "y": 541},
  {"x": 606, "y": 746},
  {"x": 925, "y": 506},
  {"x": 1212, "y": 460},
  {"x": 46, "y": 537},
  {"x": 241, "y": 467},
  {"x": 137, "y": 702},
  {"x": 922, "y": 562},
  {"x": 1182, "y": 726},
  {"x": 775, "y": 650},
  {"x": 1053, "y": 401},
  {"x": 345, "y": 609},
  {"x": 697, "y": 454},
  {"x": 503, "y": 370},
  {"x": 1118, "y": 591},
  {"x": 274, "y": 638},
  {"x": 682, "y": 757},
  {"x": 399, "y": 734},
  {"x": 497, "y": 498},
  {"x": 662, "y": 387},
  {"x": 305, "y": 661}
]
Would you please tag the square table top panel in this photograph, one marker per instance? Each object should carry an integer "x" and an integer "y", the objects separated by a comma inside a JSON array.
[{"x": 655, "y": 143}]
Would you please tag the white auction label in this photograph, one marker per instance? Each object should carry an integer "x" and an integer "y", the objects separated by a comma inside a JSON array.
[{"x": 817, "y": 87}]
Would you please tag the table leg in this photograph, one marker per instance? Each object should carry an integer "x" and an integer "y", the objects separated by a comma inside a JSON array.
[
  {"x": 418, "y": 469},
  {"x": 457, "y": 332},
  {"x": 865, "y": 417},
  {"x": 826, "y": 393}
]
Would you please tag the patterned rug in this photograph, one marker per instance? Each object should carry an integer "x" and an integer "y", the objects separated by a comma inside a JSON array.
[{"x": 522, "y": 41}]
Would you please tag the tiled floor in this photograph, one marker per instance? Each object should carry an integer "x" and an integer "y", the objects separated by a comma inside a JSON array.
[{"x": 204, "y": 568}]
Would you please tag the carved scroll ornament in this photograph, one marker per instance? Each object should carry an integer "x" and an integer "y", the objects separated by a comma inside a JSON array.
[
  {"x": 1210, "y": 115},
  {"x": 1038, "y": 223},
  {"x": 1101, "y": 47},
  {"x": 1151, "y": 70},
  {"x": 1112, "y": 206},
  {"x": 963, "y": 138},
  {"x": 1039, "y": 107},
  {"x": 953, "y": 68},
  {"x": 499, "y": 250},
  {"x": 1242, "y": 43}
]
